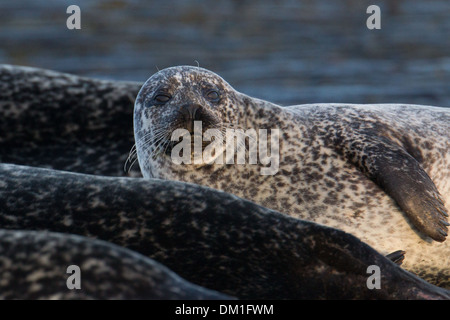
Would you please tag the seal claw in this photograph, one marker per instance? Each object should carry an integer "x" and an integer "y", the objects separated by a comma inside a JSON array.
[
  {"x": 443, "y": 233},
  {"x": 443, "y": 212},
  {"x": 397, "y": 256},
  {"x": 445, "y": 223}
]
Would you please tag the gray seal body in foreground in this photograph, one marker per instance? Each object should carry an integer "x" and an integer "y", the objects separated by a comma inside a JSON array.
[
  {"x": 46, "y": 265},
  {"x": 66, "y": 122},
  {"x": 208, "y": 237},
  {"x": 380, "y": 172}
]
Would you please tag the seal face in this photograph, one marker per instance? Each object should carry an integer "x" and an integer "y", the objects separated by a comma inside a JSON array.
[
  {"x": 380, "y": 172},
  {"x": 178, "y": 98}
]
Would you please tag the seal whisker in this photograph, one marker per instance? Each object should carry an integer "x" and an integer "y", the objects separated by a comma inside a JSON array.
[
  {"x": 241, "y": 143},
  {"x": 151, "y": 143},
  {"x": 132, "y": 163},
  {"x": 131, "y": 154},
  {"x": 158, "y": 147}
]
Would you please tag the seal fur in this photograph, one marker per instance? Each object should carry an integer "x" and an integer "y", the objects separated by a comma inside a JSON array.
[
  {"x": 380, "y": 172},
  {"x": 33, "y": 265},
  {"x": 294, "y": 259},
  {"x": 208, "y": 237}
]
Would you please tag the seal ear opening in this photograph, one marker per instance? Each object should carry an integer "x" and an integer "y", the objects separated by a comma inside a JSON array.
[{"x": 397, "y": 257}]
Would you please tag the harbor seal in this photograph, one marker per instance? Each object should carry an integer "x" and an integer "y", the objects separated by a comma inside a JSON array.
[
  {"x": 67, "y": 122},
  {"x": 380, "y": 172},
  {"x": 34, "y": 265},
  {"x": 295, "y": 259},
  {"x": 208, "y": 237}
]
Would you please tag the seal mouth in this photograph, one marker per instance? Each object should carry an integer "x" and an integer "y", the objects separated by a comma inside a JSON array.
[
  {"x": 183, "y": 135},
  {"x": 194, "y": 143}
]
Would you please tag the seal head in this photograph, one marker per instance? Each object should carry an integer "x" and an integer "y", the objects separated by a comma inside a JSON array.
[{"x": 175, "y": 98}]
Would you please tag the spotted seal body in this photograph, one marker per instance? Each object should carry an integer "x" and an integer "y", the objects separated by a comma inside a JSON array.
[
  {"x": 208, "y": 237},
  {"x": 34, "y": 264},
  {"x": 63, "y": 121},
  {"x": 380, "y": 172}
]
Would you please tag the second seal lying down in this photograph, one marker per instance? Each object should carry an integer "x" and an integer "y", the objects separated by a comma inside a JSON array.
[{"x": 210, "y": 238}]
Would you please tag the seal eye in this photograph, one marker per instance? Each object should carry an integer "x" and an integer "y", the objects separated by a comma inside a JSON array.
[
  {"x": 213, "y": 95},
  {"x": 162, "y": 98}
]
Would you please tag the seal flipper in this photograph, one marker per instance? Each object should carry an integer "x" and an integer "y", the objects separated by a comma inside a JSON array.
[
  {"x": 397, "y": 257},
  {"x": 402, "y": 177}
]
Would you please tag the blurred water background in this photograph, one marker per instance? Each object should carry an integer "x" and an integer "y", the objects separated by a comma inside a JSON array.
[{"x": 285, "y": 51}]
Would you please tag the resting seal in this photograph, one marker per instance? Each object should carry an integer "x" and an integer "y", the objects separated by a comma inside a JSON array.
[
  {"x": 208, "y": 237},
  {"x": 380, "y": 172},
  {"x": 34, "y": 265},
  {"x": 63, "y": 121}
]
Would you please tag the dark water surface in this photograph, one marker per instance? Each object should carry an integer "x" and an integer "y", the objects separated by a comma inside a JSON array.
[{"x": 285, "y": 51}]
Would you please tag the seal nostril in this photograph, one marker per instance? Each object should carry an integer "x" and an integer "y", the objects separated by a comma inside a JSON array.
[
  {"x": 190, "y": 111},
  {"x": 197, "y": 114}
]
